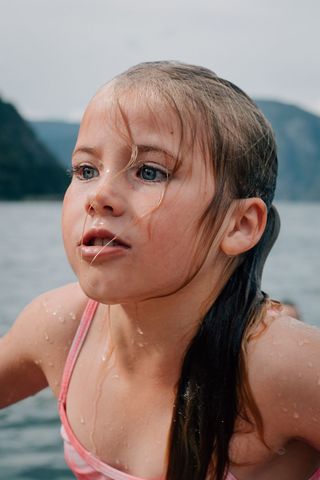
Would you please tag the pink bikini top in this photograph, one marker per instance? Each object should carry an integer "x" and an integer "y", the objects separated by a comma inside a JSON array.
[{"x": 83, "y": 464}]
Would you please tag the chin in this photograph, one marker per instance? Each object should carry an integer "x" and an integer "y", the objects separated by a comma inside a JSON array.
[
  {"x": 103, "y": 293},
  {"x": 96, "y": 291}
]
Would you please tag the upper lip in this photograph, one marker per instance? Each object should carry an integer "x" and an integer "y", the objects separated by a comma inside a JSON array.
[{"x": 101, "y": 233}]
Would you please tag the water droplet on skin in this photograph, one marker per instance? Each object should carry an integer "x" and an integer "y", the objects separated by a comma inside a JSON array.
[
  {"x": 284, "y": 409},
  {"x": 310, "y": 365},
  {"x": 115, "y": 375},
  {"x": 72, "y": 315},
  {"x": 318, "y": 383},
  {"x": 38, "y": 362},
  {"x": 140, "y": 344},
  {"x": 281, "y": 451},
  {"x": 54, "y": 313},
  {"x": 117, "y": 461},
  {"x": 296, "y": 415},
  {"x": 103, "y": 358},
  {"x": 45, "y": 306},
  {"x": 82, "y": 420},
  {"x": 51, "y": 364},
  {"x": 61, "y": 319},
  {"x": 140, "y": 331},
  {"x": 46, "y": 336}
]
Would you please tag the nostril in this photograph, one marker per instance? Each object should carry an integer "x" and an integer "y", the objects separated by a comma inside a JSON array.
[
  {"x": 91, "y": 206},
  {"x": 108, "y": 208}
]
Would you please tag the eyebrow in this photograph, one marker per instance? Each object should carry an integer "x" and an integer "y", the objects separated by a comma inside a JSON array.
[
  {"x": 89, "y": 150},
  {"x": 153, "y": 148},
  {"x": 95, "y": 152}
]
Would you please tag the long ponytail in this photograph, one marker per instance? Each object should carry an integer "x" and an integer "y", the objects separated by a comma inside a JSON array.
[{"x": 207, "y": 401}]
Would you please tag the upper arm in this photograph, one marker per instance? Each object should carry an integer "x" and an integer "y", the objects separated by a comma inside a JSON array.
[
  {"x": 20, "y": 375},
  {"x": 286, "y": 379},
  {"x": 33, "y": 352}
]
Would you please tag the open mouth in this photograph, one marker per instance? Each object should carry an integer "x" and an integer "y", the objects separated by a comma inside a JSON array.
[
  {"x": 102, "y": 238},
  {"x": 101, "y": 242}
]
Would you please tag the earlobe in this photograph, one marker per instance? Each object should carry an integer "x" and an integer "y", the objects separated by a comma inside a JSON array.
[{"x": 245, "y": 228}]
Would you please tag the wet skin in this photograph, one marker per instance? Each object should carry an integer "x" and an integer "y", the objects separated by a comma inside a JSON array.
[
  {"x": 156, "y": 285},
  {"x": 152, "y": 207}
]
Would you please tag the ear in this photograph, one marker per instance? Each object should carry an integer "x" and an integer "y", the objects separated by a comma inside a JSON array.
[{"x": 246, "y": 227}]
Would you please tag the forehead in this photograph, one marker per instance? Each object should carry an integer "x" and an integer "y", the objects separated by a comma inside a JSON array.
[
  {"x": 132, "y": 114},
  {"x": 126, "y": 117},
  {"x": 144, "y": 116}
]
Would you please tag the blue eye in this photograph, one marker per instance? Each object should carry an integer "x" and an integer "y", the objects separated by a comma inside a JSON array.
[
  {"x": 152, "y": 174},
  {"x": 84, "y": 172}
]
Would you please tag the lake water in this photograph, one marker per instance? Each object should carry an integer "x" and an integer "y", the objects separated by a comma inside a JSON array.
[{"x": 32, "y": 261}]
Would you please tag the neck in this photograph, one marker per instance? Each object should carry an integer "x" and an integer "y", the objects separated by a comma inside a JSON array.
[{"x": 151, "y": 337}]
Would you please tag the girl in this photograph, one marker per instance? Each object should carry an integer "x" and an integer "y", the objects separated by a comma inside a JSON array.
[{"x": 167, "y": 358}]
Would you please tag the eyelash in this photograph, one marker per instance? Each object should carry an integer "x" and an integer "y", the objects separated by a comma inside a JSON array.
[
  {"x": 164, "y": 173},
  {"x": 78, "y": 171}
]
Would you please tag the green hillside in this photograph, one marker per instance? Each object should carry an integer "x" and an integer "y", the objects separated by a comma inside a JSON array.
[
  {"x": 28, "y": 170},
  {"x": 298, "y": 138},
  {"x": 59, "y": 137}
]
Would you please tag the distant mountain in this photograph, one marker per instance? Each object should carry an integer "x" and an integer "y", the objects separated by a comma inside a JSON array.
[
  {"x": 297, "y": 133},
  {"x": 27, "y": 169},
  {"x": 298, "y": 138},
  {"x": 59, "y": 137}
]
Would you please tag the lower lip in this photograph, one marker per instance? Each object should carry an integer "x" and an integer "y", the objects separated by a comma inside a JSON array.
[{"x": 98, "y": 254}]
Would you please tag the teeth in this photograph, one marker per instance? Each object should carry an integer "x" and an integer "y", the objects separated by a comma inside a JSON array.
[{"x": 101, "y": 242}]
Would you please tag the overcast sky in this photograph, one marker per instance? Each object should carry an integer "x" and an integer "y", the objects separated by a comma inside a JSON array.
[{"x": 54, "y": 54}]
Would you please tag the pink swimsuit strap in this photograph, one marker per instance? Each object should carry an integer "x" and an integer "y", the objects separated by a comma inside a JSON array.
[
  {"x": 83, "y": 463},
  {"x": 77, "y": 343}
]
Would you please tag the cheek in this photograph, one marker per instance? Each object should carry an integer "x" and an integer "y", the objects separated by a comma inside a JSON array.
[
  {"x": 70, "y": 212},
  {"x": 173, "y": 236},
  {"x": 65, "y": 214},
  {"x": 146, "y": 204}
]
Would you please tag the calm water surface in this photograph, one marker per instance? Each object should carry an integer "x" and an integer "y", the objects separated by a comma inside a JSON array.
[{"x": 32, "y": 261}]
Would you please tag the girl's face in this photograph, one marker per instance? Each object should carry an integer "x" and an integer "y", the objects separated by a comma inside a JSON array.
[{"x": 151, "y": 207}]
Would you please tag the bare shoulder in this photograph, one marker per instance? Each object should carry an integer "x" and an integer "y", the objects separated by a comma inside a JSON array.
[
  {"x": 54, "y": 314},
  {"x": 58, "y": 311},
  {"x": 284, "y": 374},
  {"x": 287, "y": 339},
  {"x": 34, "y": 350}
]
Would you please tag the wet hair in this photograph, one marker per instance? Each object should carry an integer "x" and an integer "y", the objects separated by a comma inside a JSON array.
[{"x": 213, "y": 388}]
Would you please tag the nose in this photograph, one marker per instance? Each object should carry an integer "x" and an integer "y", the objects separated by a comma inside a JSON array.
[{"x": 106, "y": 198}]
